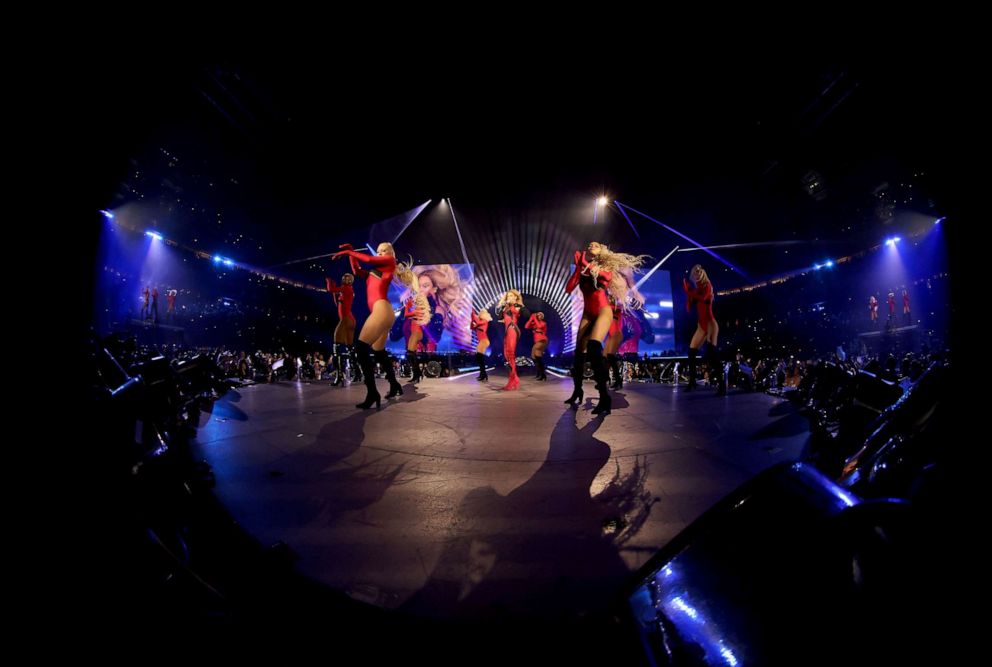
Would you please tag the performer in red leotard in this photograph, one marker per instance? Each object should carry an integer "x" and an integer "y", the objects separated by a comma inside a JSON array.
[
  {"x": 509, "y": 309},
  {"x": 344, "y": 332},
  {"x": 480, "y": 325},
  {"x": 417, "y": 313},
  {"x": 372, "y": 338},
  {"x": 707, "y": 329},
  {"x": 598, "y": 271},
  {"x": 540, "y": 328}
]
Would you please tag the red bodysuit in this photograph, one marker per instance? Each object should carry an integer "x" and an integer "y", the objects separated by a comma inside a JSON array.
[
  {"x": 873, "y": 306},
  {"x": 892, "y": 303},
  {"x": 510, "y": 316},
  {"x": 410, "y": 313},
  {"x": 593, "y": 289},
  {"x": 905, "y": 302},
  {"x": 540, "y": 328},
  {"x": 481, "y": 328},
  {"x": 344, "y": 296},
  {"x": 702, "y": 296},
  {"x": 378, "y": 278}
]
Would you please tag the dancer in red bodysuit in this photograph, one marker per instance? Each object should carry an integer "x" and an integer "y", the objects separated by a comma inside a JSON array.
[
  {"x": 170, "y": 312},
  {"x": 372, "y": 338},
  {"x": 480, "y": 325},
  {"x": 905, "y": 307},
  {"x": 873, "y": 309},
  {"x": 540, "y": 327},
  {"x": 509, "y": 309},
  {"x": 892, "y": 305},
  {"x": 344, "y": 332},
  {"x": 598, "y": 271},
  {"x": 417, "y": 313},
  {"x": 707, "y": 329}
]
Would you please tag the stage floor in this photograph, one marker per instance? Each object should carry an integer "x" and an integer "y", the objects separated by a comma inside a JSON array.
[{"x": 461, "y": 500}]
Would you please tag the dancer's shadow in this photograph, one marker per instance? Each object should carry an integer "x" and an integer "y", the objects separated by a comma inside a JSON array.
[{"x": 546, "y": 548}]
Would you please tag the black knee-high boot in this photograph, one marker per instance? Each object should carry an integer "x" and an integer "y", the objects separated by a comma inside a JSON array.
[
  {"x": 539, "y": 362},
  {"x": 481, "y": 360},
  {"x": 414, "y": 358},
  {"x": 578, "y": 373},
  {"x": 692, "y": 368},
  {"x": 363, "y": 352},
  {"x": 594, "y": 350},
  {"x": 387, "y": 366},
  {"x": 337, "y": 360}
]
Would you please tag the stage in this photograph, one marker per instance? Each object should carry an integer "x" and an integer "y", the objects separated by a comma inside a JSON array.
[{"x": 461, "y": 500}]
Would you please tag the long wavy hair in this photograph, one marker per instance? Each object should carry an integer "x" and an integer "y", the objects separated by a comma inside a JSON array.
[
  {"x": 450, "y": 291},
  {"x": 703, "y": 276},
  {"x": 403, "y": 271},
  {"x": 614, "y": 262}
]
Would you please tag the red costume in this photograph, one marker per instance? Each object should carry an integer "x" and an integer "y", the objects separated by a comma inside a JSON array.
[
  {"x": 593, "y": 288},
  {"x": 540, "y": 328},
  {"x": 378, "y": 277},
  {"x": 702, "y": 296},
  {"x": 892, "y": 303},
  {"x": 344, "y": 296},
  {"x": 510, "y": 315},
  {"x": 481, "y": 328},
  {"x": 410, "y": 312}
]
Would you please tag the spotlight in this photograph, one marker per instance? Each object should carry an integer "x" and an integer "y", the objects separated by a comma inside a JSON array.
[
  {"x": 107, "y": 214},
  {"x": 603, "y": 201},
  {"x": 154, "y": 235}
]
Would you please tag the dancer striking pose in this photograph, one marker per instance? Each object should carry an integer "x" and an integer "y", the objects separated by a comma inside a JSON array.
[
  {"x": 540, "y": 327},
  {"x": 344, "y": 332},
  {"x": 598, "y": 271},
  {"x": 905, "y": 307},
  {"x": 873, "y": 309},
  {"x": 480, "y": 325},
  {"x": 417, "y": 312},
  {"x": 707, "y": 328},
  {"x": 509, "y": 309},
  {"x": 375, "y": 330}
]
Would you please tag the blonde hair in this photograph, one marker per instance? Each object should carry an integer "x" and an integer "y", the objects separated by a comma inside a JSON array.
[
  {"x": 516, "y": 293},
  {"x": 615, "y": 263},
  {"x": 403, "y": 271},
  {"x": 704, "y": 277},
  {"x": 484, "y": 314}
]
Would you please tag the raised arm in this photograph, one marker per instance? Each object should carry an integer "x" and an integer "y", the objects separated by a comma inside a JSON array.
[{"x": 580, "y": 264}]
